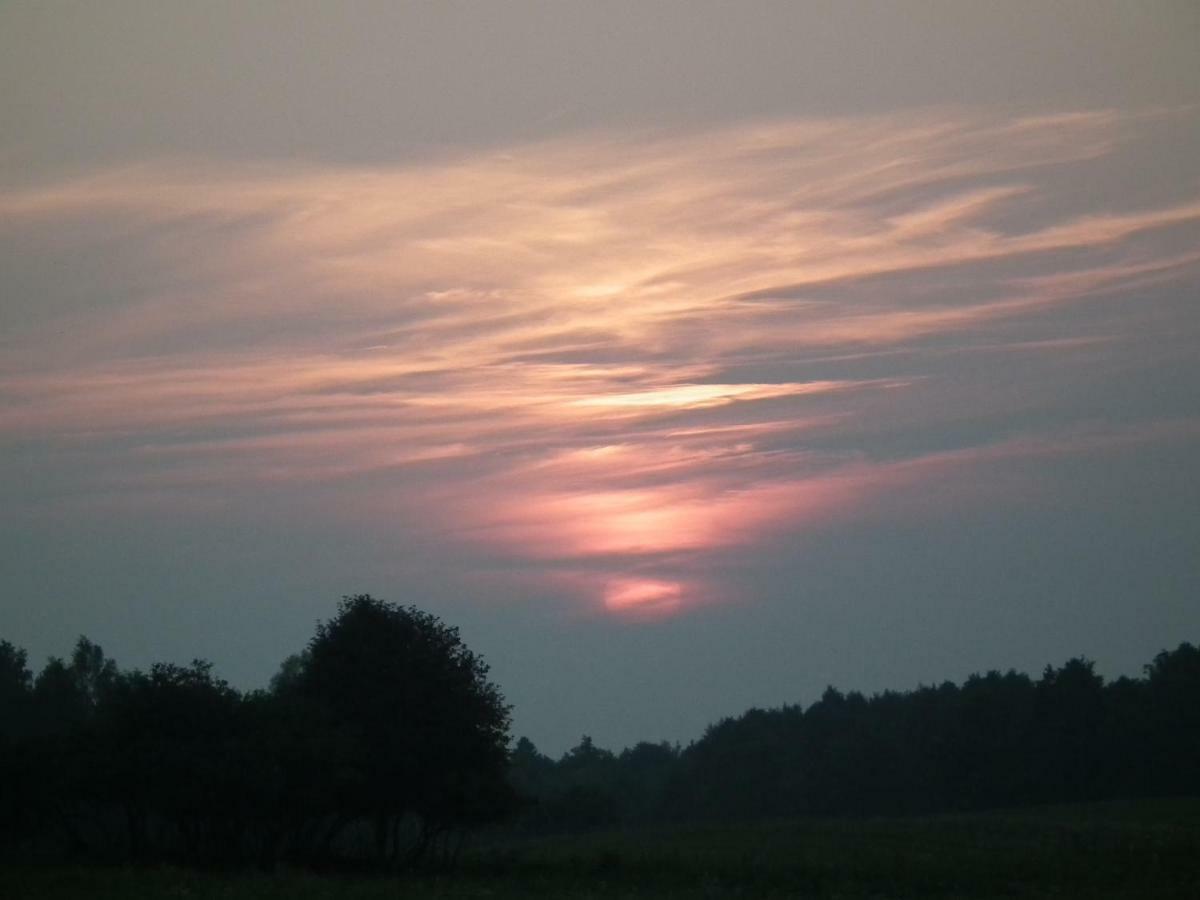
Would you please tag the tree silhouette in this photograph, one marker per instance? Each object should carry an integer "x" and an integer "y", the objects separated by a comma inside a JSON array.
[
  {"x": 16, "y": 709},
  {"x": 430, "y": 730},
  {"x": 15, "y": 686},
  {"x": 1173, "y": 684},
  {"x": 1070, "y": 721},
  {"x": 167, "y": 744},
  {"x": 383, "y": 740}
]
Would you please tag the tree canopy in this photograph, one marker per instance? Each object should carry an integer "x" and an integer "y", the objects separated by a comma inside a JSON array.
[
  {"x": 382, "y": 738},
  {"x": 383, "y": 741},
  {"x": 430, "y": 730}
]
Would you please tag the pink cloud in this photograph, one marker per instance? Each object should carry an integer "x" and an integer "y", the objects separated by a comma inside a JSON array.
[{"x": 560, "y": 328}]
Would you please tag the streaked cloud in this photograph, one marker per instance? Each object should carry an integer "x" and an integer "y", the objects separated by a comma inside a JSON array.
[{"x": 606, "y": 355}]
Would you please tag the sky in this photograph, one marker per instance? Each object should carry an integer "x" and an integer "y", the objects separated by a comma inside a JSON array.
[{"x": 687, "y": 356}]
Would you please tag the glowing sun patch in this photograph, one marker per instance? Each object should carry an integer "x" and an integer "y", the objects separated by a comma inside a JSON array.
[{"x": 642, "y": 596}]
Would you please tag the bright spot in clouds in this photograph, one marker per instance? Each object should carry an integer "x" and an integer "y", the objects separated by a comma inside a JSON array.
[
  {"x": 693, "y": 396},
  {"x": 594, "y": 352},
  {"x": 642, "y": 596}
]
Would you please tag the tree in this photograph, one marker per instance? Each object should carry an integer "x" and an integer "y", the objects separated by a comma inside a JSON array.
[
  {"x": 166, "y": 752},
  {"x": 290, "y": 671},
  {"x": 430, "y": 730},
  {"x": 1173, "y": 687},
  {"x": 1070, "y": 718},
  {"x": 15, "y": 689},
  {"x": 94, "y": 674},
  {"x": 16, "y": 707},
  {"x": 644, "y": 772},
  {"x": 67, "y": 695}
]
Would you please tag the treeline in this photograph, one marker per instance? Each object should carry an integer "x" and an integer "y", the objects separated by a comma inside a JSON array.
[
  {"x": 997, "y": 740},
  {"x": 380, "y": 741}
]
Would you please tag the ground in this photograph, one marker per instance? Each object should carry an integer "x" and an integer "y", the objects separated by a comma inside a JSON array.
[{"x": 1144, "y": 849}]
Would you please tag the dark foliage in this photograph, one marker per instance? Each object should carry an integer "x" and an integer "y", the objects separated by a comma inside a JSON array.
[
  {"x": 998, "y": 740},
  {"x": 381, "y": 742},
  {"x": 428, "y": 731}
]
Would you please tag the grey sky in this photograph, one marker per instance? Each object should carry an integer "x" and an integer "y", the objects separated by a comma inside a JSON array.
[{"x": 689, "y": 356}]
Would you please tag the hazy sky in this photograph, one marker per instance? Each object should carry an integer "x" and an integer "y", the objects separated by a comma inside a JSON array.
[{"x": 689, "y": 356}]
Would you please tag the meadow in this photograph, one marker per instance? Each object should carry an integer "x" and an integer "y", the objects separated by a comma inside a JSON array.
[{"x": 1142, "y": 849}]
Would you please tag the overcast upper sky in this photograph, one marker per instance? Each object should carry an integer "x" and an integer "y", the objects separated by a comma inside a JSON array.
[{"x": 689, "y": 356}]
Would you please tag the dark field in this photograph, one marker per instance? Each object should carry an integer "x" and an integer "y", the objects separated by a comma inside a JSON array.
[{"x": 1113, "y": 850}]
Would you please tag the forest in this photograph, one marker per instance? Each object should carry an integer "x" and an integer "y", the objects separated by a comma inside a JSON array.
[
  {"x": 383, "y": 744},
  {"x": 998, "y": 740}
]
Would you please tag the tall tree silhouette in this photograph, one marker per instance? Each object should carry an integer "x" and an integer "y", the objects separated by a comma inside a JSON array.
[
  {"x": 1173, "y": 682},
  {"x": 16, "y": 683},
  {"x": 430, "y": 730}
]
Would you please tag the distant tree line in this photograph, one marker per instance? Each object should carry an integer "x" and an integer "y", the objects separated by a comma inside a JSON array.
[
  {"x": 997, "y": 740},
  {"x": 382, "y": 740}
]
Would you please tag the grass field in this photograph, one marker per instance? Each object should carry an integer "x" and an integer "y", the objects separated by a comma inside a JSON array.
[{"x": 1119, "y": 850}]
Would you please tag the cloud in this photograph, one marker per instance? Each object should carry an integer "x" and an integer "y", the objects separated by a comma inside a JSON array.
[{"x": 598, "y": 348}]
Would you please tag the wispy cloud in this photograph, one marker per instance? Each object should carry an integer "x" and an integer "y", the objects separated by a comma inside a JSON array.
[{"x": 604, "y": 349}]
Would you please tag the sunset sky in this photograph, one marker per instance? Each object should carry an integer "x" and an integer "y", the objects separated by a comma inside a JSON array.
[{"x": 689, "y": 356}]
